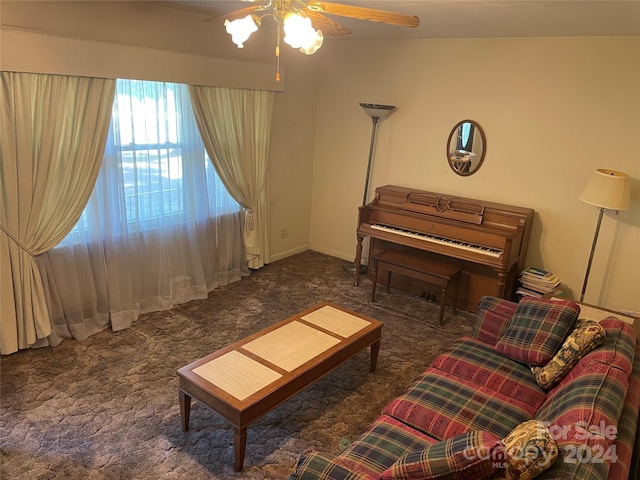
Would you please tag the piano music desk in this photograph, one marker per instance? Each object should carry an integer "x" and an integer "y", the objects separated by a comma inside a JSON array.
[{"x": 419, "y": 268}]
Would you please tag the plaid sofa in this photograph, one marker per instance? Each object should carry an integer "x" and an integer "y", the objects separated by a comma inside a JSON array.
[{"x": 593, "y": 410}]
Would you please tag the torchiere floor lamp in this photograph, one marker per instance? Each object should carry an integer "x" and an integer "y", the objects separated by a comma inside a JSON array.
[{"x": 376, "y": 112}]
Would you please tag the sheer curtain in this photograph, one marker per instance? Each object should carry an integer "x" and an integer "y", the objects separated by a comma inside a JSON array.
[
  {"x": 236, "y": 128},
  {"x": 160, "y": 228},
  {"x": 51, "y": 146}
]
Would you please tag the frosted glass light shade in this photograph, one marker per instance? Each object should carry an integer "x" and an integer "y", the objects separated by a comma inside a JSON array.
[
  {"x": 299, "y": 33},
  {"x": 318, "y": 38},
  {"x": 608, "y": 189},
  {"x": 241, "y": 29}
]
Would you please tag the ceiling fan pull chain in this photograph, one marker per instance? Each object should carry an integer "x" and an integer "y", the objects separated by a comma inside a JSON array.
[{"x": 279, "y": 34}]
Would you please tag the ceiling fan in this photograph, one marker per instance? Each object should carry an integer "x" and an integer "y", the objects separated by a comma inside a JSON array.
[{"x": 304, "y": 23}]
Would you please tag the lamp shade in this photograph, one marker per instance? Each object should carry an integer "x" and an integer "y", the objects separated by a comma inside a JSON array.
[
  {"x": 607, "y": 189},
  {"x": 375, "y": 110}
]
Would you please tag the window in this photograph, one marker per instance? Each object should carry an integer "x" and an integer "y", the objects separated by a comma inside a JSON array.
[
  {"x": 159, "y": 229},
  {"x": 465, "y": 137},
  {"x": 156, "y": 170}
]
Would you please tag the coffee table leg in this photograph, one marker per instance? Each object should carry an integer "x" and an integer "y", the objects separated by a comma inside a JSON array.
[
  {"x": 185, "y": 410},
  {"x": 239, "y": 445},
  {"x": 375, "y": 348}
]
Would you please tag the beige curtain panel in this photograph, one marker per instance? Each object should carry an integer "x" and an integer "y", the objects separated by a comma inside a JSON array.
[
  {"x": 180, "y": 238},
  {"x": 52, "y": 141},
  {"x": 236, "y": 129}
]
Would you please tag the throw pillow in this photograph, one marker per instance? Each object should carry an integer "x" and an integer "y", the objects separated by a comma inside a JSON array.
[
  {"x": 530, "y": 450},
  {"x": 537, "y": 329},
  {"x": 585, "y": 337},
  {"x": 466, "y": 456}
]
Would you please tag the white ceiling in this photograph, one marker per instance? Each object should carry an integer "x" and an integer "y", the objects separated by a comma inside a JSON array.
[{"x": 472, "y": 18}]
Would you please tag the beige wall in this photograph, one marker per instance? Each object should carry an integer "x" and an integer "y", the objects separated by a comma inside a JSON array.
[{"x": 553, "y": 110}]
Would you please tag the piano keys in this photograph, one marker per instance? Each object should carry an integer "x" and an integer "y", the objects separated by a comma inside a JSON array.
[
  {"x": 488, "y": 240},
  {"x": 492, "y": 252}
]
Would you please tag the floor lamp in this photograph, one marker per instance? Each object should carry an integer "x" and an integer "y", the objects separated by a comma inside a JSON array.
[
  {"x": 607, "y": 190},
  {"x": 377, "y": 113}
]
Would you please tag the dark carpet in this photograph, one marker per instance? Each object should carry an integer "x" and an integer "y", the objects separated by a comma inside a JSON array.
[{"x": 107, "y": 407}]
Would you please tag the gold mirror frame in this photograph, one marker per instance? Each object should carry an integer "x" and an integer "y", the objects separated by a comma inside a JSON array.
[{"x": 466, "y": 148}]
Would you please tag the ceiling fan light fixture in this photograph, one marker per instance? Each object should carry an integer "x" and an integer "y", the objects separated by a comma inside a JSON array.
[
  {"x": 299, "y": 33},
  {"x": 241, "y": 29},
  {"x": 296, "y": 21},
  {"x": 313, "y": 48}
]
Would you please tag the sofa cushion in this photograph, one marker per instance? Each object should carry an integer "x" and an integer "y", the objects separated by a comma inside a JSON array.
[
  {"x": 588, "y": 399},
  {"x": 537, "y": 329},
  {"x": 624, "y": 443},
  {"x": 595, "y": 388},
  {"x": 583, "y": 411},
  {"x": 493, "y": 317},
  {"x": 530, "y": 450},
  {"x": 479, "y": 363},
  {"x": 618, "y": 347},
  {"x": 381, "y": 445},
  {"x": 316, "y": 466},
  {"x": 585, "y": 337},
  {"x": 568, "y": 466},
  {"x": 465, "y": 456},
  {"x": 443, "y": 405}
]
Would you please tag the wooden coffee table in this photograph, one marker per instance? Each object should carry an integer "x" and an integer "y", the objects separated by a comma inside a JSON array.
[{"x": 251, "y": 377}]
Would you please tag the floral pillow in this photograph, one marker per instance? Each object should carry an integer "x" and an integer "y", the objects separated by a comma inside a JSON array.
[
  {"x": 466, "y": 456},
  {"x": 584, "y": 338},
  {"x": 537, "y": 329},
  {"x": 530, "y": 450}
]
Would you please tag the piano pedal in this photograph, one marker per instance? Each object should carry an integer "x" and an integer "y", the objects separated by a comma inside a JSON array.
[{"x": 429, "y": 297}]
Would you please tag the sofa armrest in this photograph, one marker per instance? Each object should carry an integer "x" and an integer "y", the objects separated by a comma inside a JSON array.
[
  {"x": 494, "y": 315},
  {"x": 317, "y": 466}
]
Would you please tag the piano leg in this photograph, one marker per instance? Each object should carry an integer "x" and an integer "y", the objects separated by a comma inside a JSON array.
[{"x": 356, "y": 262}]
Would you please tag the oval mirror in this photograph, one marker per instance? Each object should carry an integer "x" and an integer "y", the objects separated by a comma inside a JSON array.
[{"x": 466, "y": 148}]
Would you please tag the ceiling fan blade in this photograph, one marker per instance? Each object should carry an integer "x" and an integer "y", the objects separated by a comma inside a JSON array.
[
  {"x": 243, "y": 12},
  {"x": 329, "y": 27},
  {"x": 365, "y": 13}
]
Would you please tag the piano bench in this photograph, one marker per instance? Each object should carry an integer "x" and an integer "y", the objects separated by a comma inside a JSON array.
[{"x": 419, "y": 268}]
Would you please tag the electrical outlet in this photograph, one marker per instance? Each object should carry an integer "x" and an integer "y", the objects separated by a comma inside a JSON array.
[{"x": 284, "y": 233}]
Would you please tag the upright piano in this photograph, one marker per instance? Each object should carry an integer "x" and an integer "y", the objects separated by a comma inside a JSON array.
[{"x": 488, "y": 240}]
